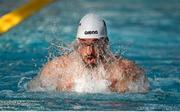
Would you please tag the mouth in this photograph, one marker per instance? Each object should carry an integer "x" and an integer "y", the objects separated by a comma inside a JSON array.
[{"x": 90, "y": 59}]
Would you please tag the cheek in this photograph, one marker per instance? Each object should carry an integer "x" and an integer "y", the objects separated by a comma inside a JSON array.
[{"x": 81, "y": 51}]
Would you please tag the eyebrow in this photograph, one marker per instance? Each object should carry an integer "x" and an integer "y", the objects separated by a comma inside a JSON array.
[{"x": 87, "y": 39}]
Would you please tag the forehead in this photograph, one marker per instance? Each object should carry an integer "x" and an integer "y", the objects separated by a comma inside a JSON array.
[{"x": 89, "y": 40}]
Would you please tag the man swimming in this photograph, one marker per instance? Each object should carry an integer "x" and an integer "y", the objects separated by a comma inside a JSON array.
[{"x": 91, "y": 66}]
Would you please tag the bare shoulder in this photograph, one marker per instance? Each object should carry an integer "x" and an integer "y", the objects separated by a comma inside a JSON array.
[
  {"x": 128, "y": 77},
  {"x": 125, "y": 69},
  {"x": 130, "y": 67},
  {"x": 52, "y": 67},
  {"x": 50, "y": 74}
]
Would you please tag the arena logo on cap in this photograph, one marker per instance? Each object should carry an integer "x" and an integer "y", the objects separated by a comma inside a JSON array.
[{"x": 90, "y": 32}]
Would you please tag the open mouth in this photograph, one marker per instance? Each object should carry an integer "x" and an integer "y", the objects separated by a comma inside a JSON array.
[{"x": 90, "y": 59}]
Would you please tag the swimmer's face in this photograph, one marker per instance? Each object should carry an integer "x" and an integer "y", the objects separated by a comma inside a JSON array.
[{"x": 89, "y": 49}]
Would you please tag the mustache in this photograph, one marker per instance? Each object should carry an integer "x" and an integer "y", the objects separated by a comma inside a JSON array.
[{"x": 90, "y": 56}]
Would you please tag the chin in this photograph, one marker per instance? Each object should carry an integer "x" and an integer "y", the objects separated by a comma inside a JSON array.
[{"x": 90, "y": 63}]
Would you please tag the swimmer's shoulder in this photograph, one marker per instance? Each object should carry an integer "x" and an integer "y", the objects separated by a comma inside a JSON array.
[
  {"x": 129, "y": 67},
  {"x": 53, "y": 66},
  {"x": 61, "y": 61}
]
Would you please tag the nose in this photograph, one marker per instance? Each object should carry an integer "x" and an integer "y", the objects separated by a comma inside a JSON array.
[{"x": 89, "y": 50}]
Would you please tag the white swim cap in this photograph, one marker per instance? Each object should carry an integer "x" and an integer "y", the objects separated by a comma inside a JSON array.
[{"x": 91, "y": 26}]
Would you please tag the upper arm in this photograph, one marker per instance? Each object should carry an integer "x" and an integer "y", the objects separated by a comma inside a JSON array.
[
  {"x": 50, "y": 73},
  {"x": 49, "y": 69},
  {"x": 134, "y": 79},
  {"x": 54, "y": 67},
  {"x": 138, "y": 81},
  {"x": 131, "y": 70}
]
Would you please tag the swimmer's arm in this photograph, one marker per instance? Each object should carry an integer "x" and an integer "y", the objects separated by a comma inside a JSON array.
[
  {"x": 54, "y": 67},
  {"x": 53, "y": 71},
  {"x": 49, "y": 74},
  {"x": 50, "y": 69},
  {"x": 133, "y": 78},
  {"x": 38, "y": 83}
]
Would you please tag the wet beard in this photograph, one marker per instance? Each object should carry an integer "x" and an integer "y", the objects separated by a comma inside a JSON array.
[
  {"x": 91, "y": 65},
  {"x": 99, "y": 60}
]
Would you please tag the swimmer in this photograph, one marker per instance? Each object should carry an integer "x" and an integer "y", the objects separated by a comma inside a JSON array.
[{"x": 91, "y": 65}]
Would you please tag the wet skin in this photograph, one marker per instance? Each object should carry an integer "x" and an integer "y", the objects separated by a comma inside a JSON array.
[
  {"x": 120, "y": 72},
  {"x": 87, "y": 50}
]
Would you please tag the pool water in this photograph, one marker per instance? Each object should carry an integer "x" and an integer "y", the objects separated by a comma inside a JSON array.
[{"x": 147, "y": 32}]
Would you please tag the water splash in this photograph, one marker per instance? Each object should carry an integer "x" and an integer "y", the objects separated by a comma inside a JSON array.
[
  {"x": 90, "y": 85},
  {"x": 82, "y": 77},
  {"x": 91, "y": 81},
  {"x": 58, "y": 48}
]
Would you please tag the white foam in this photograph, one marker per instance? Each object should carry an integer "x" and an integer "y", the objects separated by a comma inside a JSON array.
[
  {"x": 90, "y": 85},
  {"x": 84, "y": 79},
  {"x": 140, "y": 85},
  {"x": 89, "y": 80}
]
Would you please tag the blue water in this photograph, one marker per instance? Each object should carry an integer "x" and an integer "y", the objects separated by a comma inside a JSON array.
[{"x": 145, "y": 31}]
